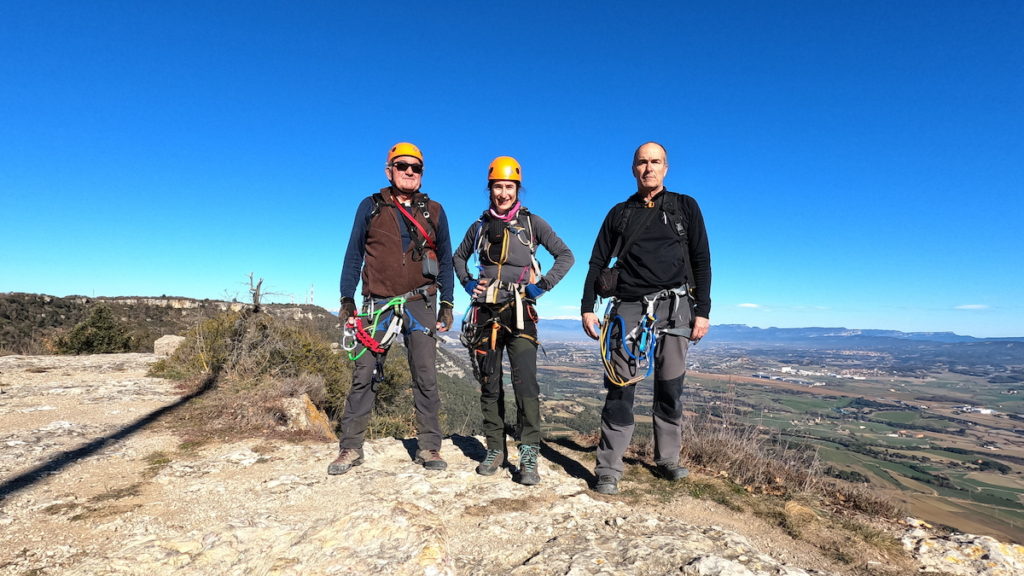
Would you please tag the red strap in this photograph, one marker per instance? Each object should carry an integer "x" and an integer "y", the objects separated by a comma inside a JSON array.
[
  {"x": 366, "y": 339},
  {"x": 418, "y": 226}
]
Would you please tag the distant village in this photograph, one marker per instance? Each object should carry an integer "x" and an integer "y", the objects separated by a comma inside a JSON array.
[{"x": 802, "y": 372}]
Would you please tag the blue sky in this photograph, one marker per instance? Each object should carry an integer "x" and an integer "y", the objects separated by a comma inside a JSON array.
[{"x": 859, "y": 164}]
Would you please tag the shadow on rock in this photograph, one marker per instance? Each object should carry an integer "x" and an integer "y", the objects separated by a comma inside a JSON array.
[{"x": 65, "y": 459}]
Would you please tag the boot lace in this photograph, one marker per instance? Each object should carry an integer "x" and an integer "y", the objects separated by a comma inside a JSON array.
[
  {"x": 528, "y": 457},
  {"x": 492, "y": 455}
]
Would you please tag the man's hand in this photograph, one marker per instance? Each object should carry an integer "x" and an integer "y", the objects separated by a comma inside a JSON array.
[
  {"x": 444, "y": 317},
  {"x": 347, "y": 312},
  {"x": 700, "y": 329},
  {"x": 591, "y": 325}
]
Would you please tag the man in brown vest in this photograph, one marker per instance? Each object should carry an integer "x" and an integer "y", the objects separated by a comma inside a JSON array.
[{"x": 400, "y": 249}]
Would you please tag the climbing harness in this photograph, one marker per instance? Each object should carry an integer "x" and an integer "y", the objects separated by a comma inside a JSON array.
[
  {"x": 387, "y": 315},
  {"x": 482, "y": 333},
  {"x": 641, "y": 342},
  {"x": 389, "y": 318},
  {"x": 476, "y": 332},
  {"x": 642, "y": 338},
  {"x": 495, "y": 245}
]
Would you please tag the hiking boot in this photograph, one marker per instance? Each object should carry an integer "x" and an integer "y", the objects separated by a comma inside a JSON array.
[
  {"x": 431, "y": 460},
  {"x": 494, "y": 460},
  {"x": 672, "y": 472},
  {"x": 528, "y": 475},
  {"x": 346, "y": 459},
  {"x": 607, "y": 485}
]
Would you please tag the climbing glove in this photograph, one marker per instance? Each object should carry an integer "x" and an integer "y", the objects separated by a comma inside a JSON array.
[
  {"x": 444, "y": 315},
  {"x": 533, "y": 291},
  {"x": 348, "y": 308}
]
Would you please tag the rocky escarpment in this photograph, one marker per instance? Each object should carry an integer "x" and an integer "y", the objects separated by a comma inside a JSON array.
[
  {"x": 30, "y": 322},
  {"x": 91, "y": 483}
]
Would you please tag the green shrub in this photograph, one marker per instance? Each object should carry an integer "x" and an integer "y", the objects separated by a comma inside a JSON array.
[{"x": 100, "y": 333}]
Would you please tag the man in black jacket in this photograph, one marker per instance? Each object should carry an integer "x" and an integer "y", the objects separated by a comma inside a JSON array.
[{"x": 661, "y": 302}]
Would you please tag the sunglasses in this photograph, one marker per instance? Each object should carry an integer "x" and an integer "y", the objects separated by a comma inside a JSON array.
[{"x": 403, "y": 166}]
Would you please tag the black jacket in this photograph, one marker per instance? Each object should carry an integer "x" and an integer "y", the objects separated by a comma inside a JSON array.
[{"x": 656, "y": 258}]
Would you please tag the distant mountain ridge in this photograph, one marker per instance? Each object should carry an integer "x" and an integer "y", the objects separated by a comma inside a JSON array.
[
  {"x": 570, "y": 330},
  {"x": 742, "y": 332}
]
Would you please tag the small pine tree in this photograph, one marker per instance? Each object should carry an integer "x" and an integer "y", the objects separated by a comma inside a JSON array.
[{"x": 100, "y": 333}]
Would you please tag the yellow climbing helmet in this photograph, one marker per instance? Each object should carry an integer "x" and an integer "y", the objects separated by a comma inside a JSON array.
[
  {"x": 505, "y": 168},
  {"x": 404, "y": 149}
]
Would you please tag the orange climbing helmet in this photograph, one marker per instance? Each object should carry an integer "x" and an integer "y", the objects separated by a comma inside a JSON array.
[
  {"x": 505, "y": 168},
  {"x": 404, "y": 149}
]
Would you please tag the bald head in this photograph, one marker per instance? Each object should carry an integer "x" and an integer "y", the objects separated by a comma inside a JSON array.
[
  {"x": 650, "y": 165},
  {"x": 664, "y": 153}
]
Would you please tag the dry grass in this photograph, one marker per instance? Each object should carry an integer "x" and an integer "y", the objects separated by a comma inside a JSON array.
[
  {"x": 155, "y": 462},
  {"x": 862, "y": 498},
  {"x": 748, "y": 471},
  {"x": 244, "y": 367},
  {"x": 743, "y": 454},
  {"x": 118, "y": 493}
]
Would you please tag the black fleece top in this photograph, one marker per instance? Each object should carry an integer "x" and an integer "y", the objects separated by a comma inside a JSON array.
[{"x": 655, "y": 259}]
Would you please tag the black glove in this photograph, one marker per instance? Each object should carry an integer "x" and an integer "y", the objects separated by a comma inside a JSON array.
[
  {"x": 444, "y": 316},
  {"x": 348, "y": 309}
]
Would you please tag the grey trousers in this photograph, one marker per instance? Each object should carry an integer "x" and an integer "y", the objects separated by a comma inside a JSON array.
[
  {"x": 617, "y": 423},
  {"x": 422, "y": 350}
]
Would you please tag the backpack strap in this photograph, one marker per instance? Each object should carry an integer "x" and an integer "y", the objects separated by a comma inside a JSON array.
[
  {"x": 422, "y": 203},
  {"x": 622, "y": 240},
  {"x": 533, "y": 242},
  {"x": 378, "y": 203},
  {"x": 679, "y": 216}
]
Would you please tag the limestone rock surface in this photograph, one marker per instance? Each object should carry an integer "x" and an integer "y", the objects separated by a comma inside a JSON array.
[
  {"x": 964, "y": 554},
  {"x": 166, "y": 345},
  {"x": 91, "y": 483}
]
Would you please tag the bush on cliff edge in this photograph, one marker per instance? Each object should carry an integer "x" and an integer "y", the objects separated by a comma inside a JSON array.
[
  {"x": 251, "y": 361},
  {"x": 100, "y": 333}
]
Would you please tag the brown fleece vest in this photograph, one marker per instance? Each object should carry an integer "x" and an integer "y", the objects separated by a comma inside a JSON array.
[{"x": 388, "y": 270}]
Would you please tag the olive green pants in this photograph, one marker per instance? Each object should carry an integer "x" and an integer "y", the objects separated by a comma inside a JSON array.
[{"x": 521, "y": 349}]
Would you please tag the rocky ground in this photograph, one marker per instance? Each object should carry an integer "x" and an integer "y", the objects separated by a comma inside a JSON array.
[{"x": 93, "y": 482}]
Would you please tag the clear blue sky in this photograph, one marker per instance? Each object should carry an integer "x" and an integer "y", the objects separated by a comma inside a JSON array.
[{"x": 859, "y": 164}]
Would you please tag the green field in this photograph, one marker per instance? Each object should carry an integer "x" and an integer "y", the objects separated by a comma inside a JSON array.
[{"x": 894, "y": 433}]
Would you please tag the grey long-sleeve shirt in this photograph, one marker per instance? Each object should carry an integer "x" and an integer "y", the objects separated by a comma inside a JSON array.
[{"x": 518, "y": 257}]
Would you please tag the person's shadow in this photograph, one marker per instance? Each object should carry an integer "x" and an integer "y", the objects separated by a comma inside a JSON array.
[
  {"x": 472, "y": 448},
  {"x": 572, "y": 467},
  {"x": 65, "y": 459}
]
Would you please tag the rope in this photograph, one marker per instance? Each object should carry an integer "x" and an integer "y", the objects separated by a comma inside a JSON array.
[
  {"x": 643, "y": 336},
  {"x": 364, "y": 334}
]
